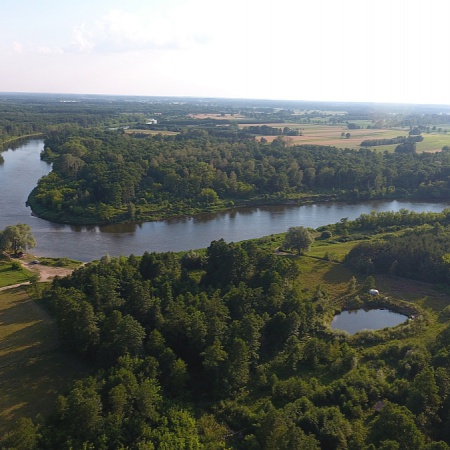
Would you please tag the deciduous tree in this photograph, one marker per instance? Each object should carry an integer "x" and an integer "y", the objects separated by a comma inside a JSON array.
[
  {"x": 15, "y": 238},
  {"x": 298, "y": 238}
]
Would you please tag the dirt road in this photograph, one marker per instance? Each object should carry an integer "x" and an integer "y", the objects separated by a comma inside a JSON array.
[{"x": 47, "y": 273}]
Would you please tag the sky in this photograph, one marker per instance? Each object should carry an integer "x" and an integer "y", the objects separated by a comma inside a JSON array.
[{"x": 327, "y": 50}]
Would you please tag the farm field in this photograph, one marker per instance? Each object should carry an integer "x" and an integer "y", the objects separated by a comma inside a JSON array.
[
  {"x": 324, "y": 134},
  {"x": 315, "y": 134},
  {"x": 33, "y": 372},
  {"x": 217, "y": 116},
  {"x": 149, "y": 132}
]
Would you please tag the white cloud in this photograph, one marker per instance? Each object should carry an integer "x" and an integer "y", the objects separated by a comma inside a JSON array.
[
  {"x": 82, "y": 39},
  {"x": 121, "y": 31},
  {"x": 17, "y": 47},
  {"x": 20, "y": 48},
  {"x": 50, "y": 50}
]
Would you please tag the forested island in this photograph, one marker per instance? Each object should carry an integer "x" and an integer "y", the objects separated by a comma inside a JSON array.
[{"x": 231, "y": 347}]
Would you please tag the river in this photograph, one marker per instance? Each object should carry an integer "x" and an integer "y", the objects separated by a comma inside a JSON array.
[{"x": 22, "y": 169}]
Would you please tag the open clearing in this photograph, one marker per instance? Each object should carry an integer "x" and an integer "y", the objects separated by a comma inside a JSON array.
[
  {"x": 313, "y": 134},
  {"x": 150, "y": 132},
  {"x": 322, "y": 134},
  {"x": 47, "y": 273},
  {"x": 33, "y": 371},
  {"x": 217, "y": 116}
]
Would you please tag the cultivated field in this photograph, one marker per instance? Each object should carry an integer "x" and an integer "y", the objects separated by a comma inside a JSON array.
[
  {"x": 323, "y": 134},
  {"x": 315, "y": 134}
]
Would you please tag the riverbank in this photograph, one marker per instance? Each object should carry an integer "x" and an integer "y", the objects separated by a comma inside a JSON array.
[
  {"x": 23, "y": 168},
  {"x": 44, "y": 270},
  {"x": 19, "y": 138},
  {"x": 142, "y": 215}
]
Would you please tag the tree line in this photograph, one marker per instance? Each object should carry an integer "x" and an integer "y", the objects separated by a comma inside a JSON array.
[
  {"x": 271, "y": 131},
  {"x": 108, "y": 176},
  {"x": 420, "y": 254},
  {"x": 396, "y": 140}
]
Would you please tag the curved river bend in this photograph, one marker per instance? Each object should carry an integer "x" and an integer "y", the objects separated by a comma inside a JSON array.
[{"x": 22, "y": 169}]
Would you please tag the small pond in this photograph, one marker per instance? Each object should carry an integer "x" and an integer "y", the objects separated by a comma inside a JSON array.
[{"x": 356, "y": 320}]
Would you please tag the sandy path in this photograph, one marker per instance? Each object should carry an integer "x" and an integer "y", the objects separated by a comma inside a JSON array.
[
  {"x": 47, "y": 273},
  {"x": 13, "y": 286}
]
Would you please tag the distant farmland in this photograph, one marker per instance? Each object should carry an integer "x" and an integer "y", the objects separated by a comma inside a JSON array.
[
  {"x": 331, "y": 135},
  {"x": 334, "y": 135}
]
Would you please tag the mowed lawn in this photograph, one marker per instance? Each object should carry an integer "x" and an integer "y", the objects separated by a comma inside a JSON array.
[
  {"x": 33, "y": 371},
  {"x": 9, "y": 275}
]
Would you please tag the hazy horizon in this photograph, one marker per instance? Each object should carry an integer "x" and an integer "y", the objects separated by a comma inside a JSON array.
[{"x": 329, "y": 51}]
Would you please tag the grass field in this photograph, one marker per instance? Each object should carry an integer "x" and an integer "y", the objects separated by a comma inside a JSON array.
[
  {"x": 33, "y": 372},
  {"x": 10, "y": 275},
  {"x": 317, "y": 134},
  {"x": 335, "y": 276},
  {"x": 150, "y": 132},
  {"x": 324, "y": 134}
]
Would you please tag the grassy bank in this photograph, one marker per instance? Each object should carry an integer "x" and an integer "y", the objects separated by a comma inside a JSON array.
[
  {"x": 11, "y": 272},
  {"x": 19, "y": 138}
]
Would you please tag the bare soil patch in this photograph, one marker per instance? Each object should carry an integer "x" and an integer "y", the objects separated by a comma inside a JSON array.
[{"x": 47, "y": 273}]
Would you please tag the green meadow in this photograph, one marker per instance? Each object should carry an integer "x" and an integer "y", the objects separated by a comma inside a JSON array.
[
  {"x": 33, "y": 371},
  {"x": 11, "y": 272}
]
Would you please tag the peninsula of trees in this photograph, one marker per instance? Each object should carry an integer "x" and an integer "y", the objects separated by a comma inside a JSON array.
[{"x": 109, "y": 176}]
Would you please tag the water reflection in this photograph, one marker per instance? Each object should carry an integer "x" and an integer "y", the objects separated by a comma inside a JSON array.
[
  {"x": 128, "y": 227},
  {"x": 353, "y": 321},
  {"x": 17, "y": 143},
  {"x": 23, "y": 168}
]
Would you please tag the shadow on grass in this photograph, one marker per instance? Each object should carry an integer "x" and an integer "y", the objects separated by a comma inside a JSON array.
[
  {"x": 18, "y": 310},
  {"x": 334, "y": 273},
  {"x": 32, "y": 385},
  {"x": 31, "y": 339},
  {"x": 33, "y": 370}
]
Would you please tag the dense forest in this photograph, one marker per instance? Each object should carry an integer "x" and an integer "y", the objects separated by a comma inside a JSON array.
[
  {"x": 24, "y": 114},
  {"x": 101, "y": 177},
  {"x": 31, "y": 114},
  {"x": 231, "y": 347},
  {"x": 225, "y": 349}
]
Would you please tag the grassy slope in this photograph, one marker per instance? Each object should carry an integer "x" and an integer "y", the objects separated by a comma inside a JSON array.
[
  {"x": 32, "y": 369},
  {"x": 9, "y": 276}
]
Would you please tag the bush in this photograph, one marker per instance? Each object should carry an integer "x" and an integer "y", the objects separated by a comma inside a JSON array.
[
  {"x": 326, "y": 234},
  {"x": 15, "y": 265}
]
